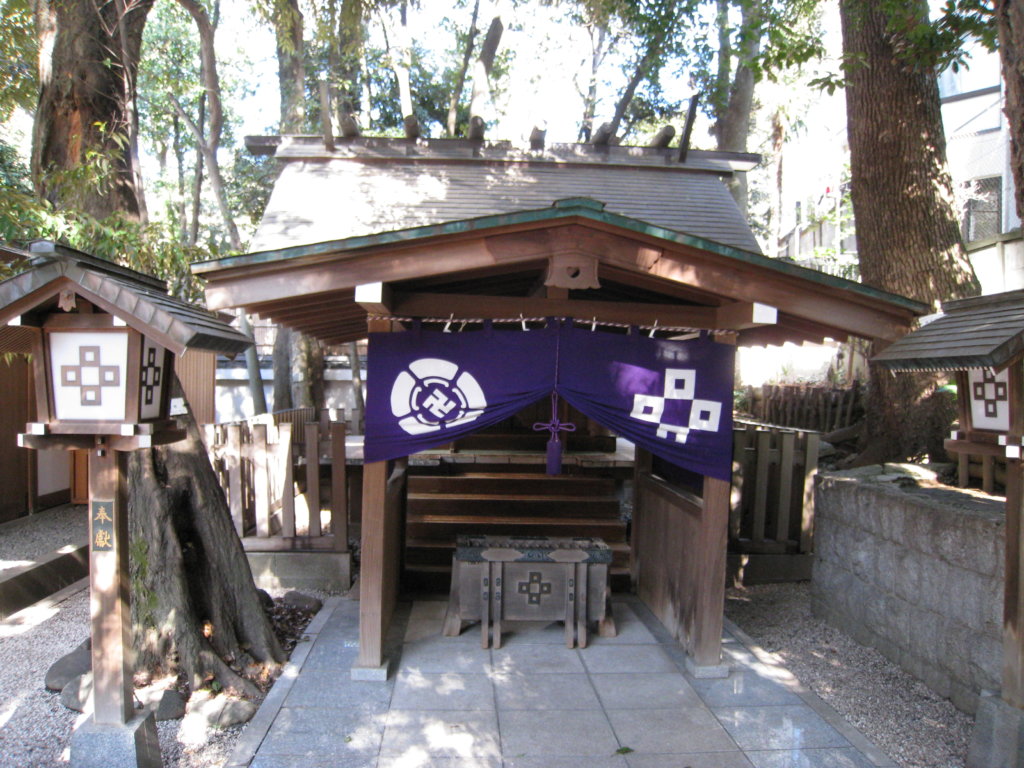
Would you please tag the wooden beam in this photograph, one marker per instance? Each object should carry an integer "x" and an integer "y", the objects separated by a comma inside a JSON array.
[
  {"x": 375, "y": 298},
  {"x": 745, "y": 314},
  {"x": 494, "y": 307}
]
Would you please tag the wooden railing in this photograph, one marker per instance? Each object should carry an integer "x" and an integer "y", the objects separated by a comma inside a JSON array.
[
  {"x": 820, "y": 408},
  {"x": 257, "y": 460},
  {"x": 773, "y": 490}
]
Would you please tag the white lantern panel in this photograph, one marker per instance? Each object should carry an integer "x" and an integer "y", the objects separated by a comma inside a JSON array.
[
  {"x": 88, "y": 372},
  {"x": 990, "y": 399},
  {"x": 152, "y": 378}
]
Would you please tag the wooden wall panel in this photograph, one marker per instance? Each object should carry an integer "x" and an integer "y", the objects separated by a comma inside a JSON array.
[
  {"x": 14, "y": 461},
  {"x": 197, "y": 372},
  {"x": 680, "y": 543}
]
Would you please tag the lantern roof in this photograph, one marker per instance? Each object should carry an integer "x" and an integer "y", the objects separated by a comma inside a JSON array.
[
  {"x": 140, "y": 300},
  {"x": 980, "y": 332}
]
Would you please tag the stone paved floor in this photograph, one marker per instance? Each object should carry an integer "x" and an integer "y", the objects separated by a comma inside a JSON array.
[{"x": 622, "y": 702}]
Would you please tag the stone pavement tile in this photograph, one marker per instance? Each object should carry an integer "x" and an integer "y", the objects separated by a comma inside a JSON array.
[
  {"x": 441, "y": 733},
  {"x": 744, "y": 688},
  {"x": 537, "y": 659},
  {"x": 417, "y": 759},
  {"x": 278, "y": 761},
  {"x": 439, "y": 654},
  {"x": 580, "y": 733},
  {"x": 326, "y": 655},
  {"x": 810, "y": 758},
  {"x": 678, "y": 730},
  {"x": 443, "y": 690},
  {"x": 605, "y": 659},
  {"x": 532, "y": 633},
  {"x": 778, "y": 727},
  {"x": 428, "y": 609},
  {"x": 428, "y": 629},
  {"x": 644, "y": 691},
  {"x": 359, "y": 737},
  {"x": 312, "y": 719},
  {"x": 701, "y": 760},
  {"x": 629, "y": 629},
  {"x": 552, "y": 692},
  {"x": 336, "y": 688},
  {"x": 613, "y": 761}
]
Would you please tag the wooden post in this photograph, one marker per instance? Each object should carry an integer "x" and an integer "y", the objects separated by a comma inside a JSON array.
[
  {"x": 1013, "y": 590},
  {"x": 313, "y": 477},
  {"x": 109, "y": 587},
  {"x": 710, "y": 546},
  {"x": 339, "y": 487},
  {"x": 372, "y": 621},
  {"x": 233, "y": 464},
  {"x": 260, "y": 480}
]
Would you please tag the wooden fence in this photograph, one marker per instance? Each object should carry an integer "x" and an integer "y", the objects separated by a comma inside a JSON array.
[
  {"x": 772, "y": 511},
  {"x": 270, "y": 469},
  {"x": 820, "y": 408}
]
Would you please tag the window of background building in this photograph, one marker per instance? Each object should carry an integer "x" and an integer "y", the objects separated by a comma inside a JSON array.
[{"x": 982, "y": 210}]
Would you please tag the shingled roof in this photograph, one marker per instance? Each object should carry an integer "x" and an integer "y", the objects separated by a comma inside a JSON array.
[
  {"x": 140, "y": 300},
  {"x": 981, "y": 332},
  {"x": 372, "y": 185}
]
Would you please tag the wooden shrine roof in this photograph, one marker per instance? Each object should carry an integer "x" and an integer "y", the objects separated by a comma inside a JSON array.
[
  {"x": 500, "y": 266},
  {"x": 140, "y": 300},
  {"x": 371, "y": 185},
  {"x": 981, "y": 332}
]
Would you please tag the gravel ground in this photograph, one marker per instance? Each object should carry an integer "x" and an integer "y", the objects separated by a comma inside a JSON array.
[
  {"x": 29, "y": 538},
  {"x": 910, "y": 723}
]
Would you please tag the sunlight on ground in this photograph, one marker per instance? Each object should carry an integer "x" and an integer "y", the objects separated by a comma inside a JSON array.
[
  {"x": 7, "y": 564},
  {"x": 26, "y": 619}
]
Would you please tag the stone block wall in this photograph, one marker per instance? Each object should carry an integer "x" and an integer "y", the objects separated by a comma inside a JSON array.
[{"x": 916, "y": 572}]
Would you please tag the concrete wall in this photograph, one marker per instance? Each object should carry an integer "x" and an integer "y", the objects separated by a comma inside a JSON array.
[{"x": 916, "y": 573}]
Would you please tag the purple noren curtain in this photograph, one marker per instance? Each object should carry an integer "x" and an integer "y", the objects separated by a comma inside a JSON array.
[{"x": 673, "y": 398}]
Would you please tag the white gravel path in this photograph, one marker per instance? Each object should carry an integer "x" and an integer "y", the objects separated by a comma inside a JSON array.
[
  {"x": 910, "y": 723},
  {"x": 29, "y": 538}
]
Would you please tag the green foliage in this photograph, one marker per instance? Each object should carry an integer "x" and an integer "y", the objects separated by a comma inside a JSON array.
[
  {"x": 147, "y": 248},
  {"x": 13, "y": 172},
  {"x": 18, "y": 87}
]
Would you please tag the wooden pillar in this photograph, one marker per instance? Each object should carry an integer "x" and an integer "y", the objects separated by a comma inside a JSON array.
[
  {"x": 710, "y": 547},
  {"x": 339, "y": 487},
  {"x": 109, "y": 587},
  {"x": 1013, "y": 590},
  {"x": 373, "y": 559}
]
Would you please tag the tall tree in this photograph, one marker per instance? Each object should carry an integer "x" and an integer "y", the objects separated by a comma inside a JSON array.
[
  {"x": 195, "y": 608},
  {"x": 908, "y": 237},
  {"x": 86, "y": 118},
  {"x": 1010, "y": 28}
]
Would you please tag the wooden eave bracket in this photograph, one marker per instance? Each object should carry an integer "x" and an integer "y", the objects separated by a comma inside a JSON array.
[
  {"x": 741, "y": 315},
  {"x": 375, "y": 298}
]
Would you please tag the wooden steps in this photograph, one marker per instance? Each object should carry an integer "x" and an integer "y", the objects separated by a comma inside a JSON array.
[{"x": 511, "y": 503}]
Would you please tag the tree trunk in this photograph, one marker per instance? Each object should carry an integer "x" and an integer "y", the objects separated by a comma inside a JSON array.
[
  {"x": 1010, "y": 25},
  {"x": 597, "y": 54},
  {"x": 194, "y": 601},
  {"x": 307, "y": 372},
  {"x": 401, "y": 61},
  {"x": 732, "y": 127},
  {"x": 460, "y": 80},
  {"x": 282, "y": 358},
  {"x": 358, "y": 418},
  {"x": 86, "y": 105},
  {"x": 908, "y": 238},
  {"x": 351, "y": 76},
  {"x": 484, "y": 65},
  {"x": 291, "y": 71},
  {"x": 197, "y": 179}
]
